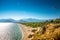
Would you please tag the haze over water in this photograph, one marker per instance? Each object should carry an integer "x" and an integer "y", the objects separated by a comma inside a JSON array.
[{"x": 10, "y": 31}]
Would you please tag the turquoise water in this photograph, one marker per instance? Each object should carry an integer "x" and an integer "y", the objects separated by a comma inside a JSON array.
[{"x": 10, "y": 31}]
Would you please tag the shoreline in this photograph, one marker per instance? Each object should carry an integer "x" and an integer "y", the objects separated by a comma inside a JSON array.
[{"x": 26, "y": 31}]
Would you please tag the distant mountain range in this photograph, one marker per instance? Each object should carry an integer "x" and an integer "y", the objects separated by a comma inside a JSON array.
[
  {"x": 21, "y": 20},
  {"x": 7, "y": 20}
]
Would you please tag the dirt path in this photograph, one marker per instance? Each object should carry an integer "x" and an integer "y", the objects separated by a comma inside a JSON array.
[{"x": 26, "y": 31}]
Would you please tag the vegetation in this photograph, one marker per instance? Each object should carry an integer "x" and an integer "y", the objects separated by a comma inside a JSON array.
[
  {"x": 35, "y": 24},
  {"x": 30, "y": 36},
  {"x": 40, "y": 24},
  {"x": 51, "y": 33},
  {"x": 49, "y": 30}
]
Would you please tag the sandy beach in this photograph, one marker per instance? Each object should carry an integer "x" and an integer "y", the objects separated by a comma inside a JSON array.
[{"x": 26, "y": 31}]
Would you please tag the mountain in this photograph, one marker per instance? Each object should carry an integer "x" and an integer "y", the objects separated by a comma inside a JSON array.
[
  {"x": 21, "y": 20},
  {"x": 7, "y": 20},
  {"x": 31, "y": 20}
]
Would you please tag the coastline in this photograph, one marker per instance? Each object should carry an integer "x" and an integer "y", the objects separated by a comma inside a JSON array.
[{"x": 26, "y": 31}]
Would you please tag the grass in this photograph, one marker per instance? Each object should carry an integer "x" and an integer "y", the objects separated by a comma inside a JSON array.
[{"x": 49, "y": 30}]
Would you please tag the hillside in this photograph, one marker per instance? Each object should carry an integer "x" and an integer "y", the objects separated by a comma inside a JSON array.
[{"x": 48, "y": 30}]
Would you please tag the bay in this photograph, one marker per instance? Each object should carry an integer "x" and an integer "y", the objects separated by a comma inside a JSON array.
[{"x": 10, "y": 31}]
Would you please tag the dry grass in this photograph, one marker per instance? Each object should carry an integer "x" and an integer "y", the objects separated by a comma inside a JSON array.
[{"x": 51, "y": 32}]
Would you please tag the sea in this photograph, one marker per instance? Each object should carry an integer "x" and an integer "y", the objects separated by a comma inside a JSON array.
[{"x": 10, "y": 31}]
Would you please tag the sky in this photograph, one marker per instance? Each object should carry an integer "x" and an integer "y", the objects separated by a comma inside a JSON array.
[{"x": 20, "y": 9}]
